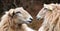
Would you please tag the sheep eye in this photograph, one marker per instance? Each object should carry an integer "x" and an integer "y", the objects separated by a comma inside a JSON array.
[
  {"x": 45, "y": 8},
  {"x": 18, "y": 12}
]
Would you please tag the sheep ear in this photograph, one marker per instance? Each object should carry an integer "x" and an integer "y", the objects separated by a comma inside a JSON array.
[
  {"x": 6, "y": 12},
  {"x": 45, "y": 4},
  {"x": 11, "y": 12}
]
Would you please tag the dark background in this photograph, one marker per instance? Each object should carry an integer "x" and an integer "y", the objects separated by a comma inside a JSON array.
[{"x": 32, "y": 6}]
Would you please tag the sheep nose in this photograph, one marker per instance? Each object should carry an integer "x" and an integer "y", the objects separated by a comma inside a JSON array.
[
  {"x": 38, "y": 18},
  {"x": 31, "y": 19}
]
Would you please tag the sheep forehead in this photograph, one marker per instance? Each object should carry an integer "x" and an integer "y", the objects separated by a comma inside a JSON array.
[
  {"x": 21, "y": 10},
  {"x": 50, "y": 6}
]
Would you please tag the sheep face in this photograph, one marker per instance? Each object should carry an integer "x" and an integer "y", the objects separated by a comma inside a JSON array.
[
  {"x": 20, "y": 15},
  {"x": 46, "y": 8}
]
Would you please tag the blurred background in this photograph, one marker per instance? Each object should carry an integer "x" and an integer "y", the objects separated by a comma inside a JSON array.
[{"x": 32, "y": 6}]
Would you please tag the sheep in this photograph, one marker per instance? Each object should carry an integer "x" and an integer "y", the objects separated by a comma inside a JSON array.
[
  {"x": 50, "y": 13},
  {"x": 16, "y": 20}
]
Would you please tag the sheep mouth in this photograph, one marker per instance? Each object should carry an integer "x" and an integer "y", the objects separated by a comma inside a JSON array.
[{"x": 28, "y": 22}]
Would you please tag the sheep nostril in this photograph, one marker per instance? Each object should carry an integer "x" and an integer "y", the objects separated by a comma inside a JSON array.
[
  {"x": 38, "y": 18},
  {"x": 31, "y": 19}
]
